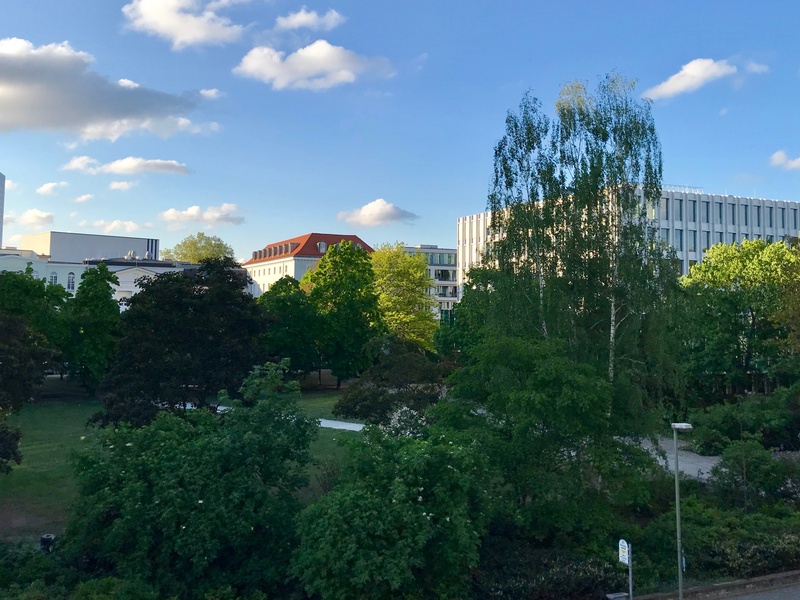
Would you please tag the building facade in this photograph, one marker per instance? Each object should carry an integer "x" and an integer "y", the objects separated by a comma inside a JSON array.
[
  {"x": 77, "y": 247},
  {"x": 2, "y": 205},
  {"x": 294, "y": 257},
  {"x": 442, "y": 269},
  {"x": 687, "y": 218}
]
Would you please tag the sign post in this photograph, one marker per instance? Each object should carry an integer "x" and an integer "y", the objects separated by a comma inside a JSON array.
[{"x": 626, "y": 557}]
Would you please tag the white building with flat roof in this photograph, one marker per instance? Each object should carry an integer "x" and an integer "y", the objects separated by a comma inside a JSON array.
[
  {"x": 442, "y": 269},
  {"x": 77, "y": 247},
  {"x": 687, "y": 218}
]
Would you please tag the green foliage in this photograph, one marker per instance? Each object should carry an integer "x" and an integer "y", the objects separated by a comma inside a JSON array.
[
  {"x": 342, "y": 288},
  {"x": 402, "y": 282},
  {"x": 405, "y": 522},
  {"x": 774, "y": 420},
  {"x": 733, "y": 299},
  {"x": 403, "y": 376},
  {"x": 192, "y": 504},
  {"x": 294, "y": 326},
  {"x": 198, "y": 248},
  {"x": 184, "y": 337},
  {"x": 747, "y": 476},
  {"x": 92, "y": 321},
  {"x": 23, "y": 355}
]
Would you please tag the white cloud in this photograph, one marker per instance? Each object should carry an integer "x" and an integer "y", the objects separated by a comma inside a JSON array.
[
  {"x": 213, "y": 215},
  {"x": 14, "y": 240},
  {"x": 10, "y": 185},
  {"x": 210, "y": 94},
  {"x": 83, "y": 198},
  {"x": 692, "y": 76},
  {"x": 121, "y": 186},
  {"x": 127, "y": 83},
  {"x": 184, "y": 23},
  {"x": 48, "y": 189},
  {"x": 35, "y": 218},
  {"x": 782, "y": 160},
  {"x": 377, "y": 212},
  {"x": 318, "y": 66},
  {"x": 125, "y": 166},
  {"x": 51, "y": 87},
  {"x": 310, "y": 20},
  {"x": 73, "y": 214},
  {"x": 752, "y": 66},
  {"x": 116, "y": 225}
]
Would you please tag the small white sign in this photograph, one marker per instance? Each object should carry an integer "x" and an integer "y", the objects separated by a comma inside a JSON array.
[{"x": 623, "y": 552}]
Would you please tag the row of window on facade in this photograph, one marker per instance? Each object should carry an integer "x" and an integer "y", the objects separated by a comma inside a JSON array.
[
  {"x": 449, "y": 291},
  {"x": 691, "y": 239},
  {"x": 271, "y": 271},
  {"x": 736, "y": 212},
  {"x": 437, "y": 258},
  {"x": 54, "y": 279}
]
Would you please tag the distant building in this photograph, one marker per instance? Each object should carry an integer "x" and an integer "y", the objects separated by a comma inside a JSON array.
[
  {"x": 77, "y": 247},
  {"x": 2, "y": 205},
  {"x": 442, "y": 268},
  {"x": 688, "y": 219},
  {"x": 294, "y": 257}
]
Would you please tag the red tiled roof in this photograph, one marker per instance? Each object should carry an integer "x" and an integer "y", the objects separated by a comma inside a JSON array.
[{"x": 303, "y": 245}]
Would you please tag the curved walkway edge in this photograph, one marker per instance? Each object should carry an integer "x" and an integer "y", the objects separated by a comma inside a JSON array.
[{"x": 732, "y": 589}]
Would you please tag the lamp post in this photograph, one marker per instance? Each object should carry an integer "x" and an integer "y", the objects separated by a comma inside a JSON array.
[{"x": 676, "y": 427}]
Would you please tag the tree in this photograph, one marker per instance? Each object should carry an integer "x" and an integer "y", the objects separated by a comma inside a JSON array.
[
  {"x": 23, "y": 354},
  {"x": 294, "y": 325},
  {"x": 92, "y": 319},
  {"x": 402, "y": 282},
  {"x": 197, "y": 248},
  {"x": 406, "y": 522},
  {"x": 735, "y": 298},
  {"x": 197, "y": 503},
  {"x": 342, "y": 288},
  {"x": 184, "y": 337}
]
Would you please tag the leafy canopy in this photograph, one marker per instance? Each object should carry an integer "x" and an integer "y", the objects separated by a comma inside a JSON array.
[{"x": 197, "y": 248}]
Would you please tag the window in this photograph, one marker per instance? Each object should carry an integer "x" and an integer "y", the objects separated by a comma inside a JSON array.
[
  {"x": 732, "y": 211},
  {"x": 679, "y": 240},
  {"x": 54, "y": 278},
  {"x": 706, "y": 240},
  {"x": 706, "y": 212},
  {"x": 692, "y": 241},
  {"x": 770, "y": 216},
  {"x": 744, "y": 236},
  {"x": 678, "y": 209},
  {"x": 665, "y": 235},
  {"x": 691, "y": 208},
  {"x": 70, "y": 282},
  {"x": 782, "y": 215},
  {"x": 719, "y": 213},
  {"x": 744, "y": 215},
  {"x": 757, "y": 236},
  {"x": 731, "y": 238},
  {"x": 665, "y": 208},
  {"x": 719, "y": 237},
  {"x": 770, "y": 239},
  {"x": 794, "y": 218},
  {"x": 757, "y": 210}
]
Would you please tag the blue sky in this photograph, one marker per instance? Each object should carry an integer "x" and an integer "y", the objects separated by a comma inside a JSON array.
[{"x": 259, "y": 120}]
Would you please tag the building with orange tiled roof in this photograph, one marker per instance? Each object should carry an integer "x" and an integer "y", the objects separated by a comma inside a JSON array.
[{"x": 295, "y": 257}]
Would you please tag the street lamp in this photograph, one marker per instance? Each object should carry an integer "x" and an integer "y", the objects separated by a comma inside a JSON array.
[{"x": 676, "y": 427}]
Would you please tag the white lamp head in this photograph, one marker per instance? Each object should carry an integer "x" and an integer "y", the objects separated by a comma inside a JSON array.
[{"x": 682, "y": 426}]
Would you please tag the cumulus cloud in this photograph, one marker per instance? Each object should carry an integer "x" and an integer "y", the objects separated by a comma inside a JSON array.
[
  {"x": 226, "y": 214},
  {"x": 319, "y": 66},
  {"x": 83, "y": 198},
  {"x": 116, "y": 225},
  {"x": 782, "y": 160},
  {"x": 127, "y": 83},
  {"x": 210, "y": 94},
  {"x": 48, "y": 189},
  {"x": 309, "y": 19},
  {"x": 692, "y": 76},
  {"x": 51, "y": 87},
  {"x": 125, "y": 166},
  {"x": 752, "y": 66},
  {"x": 377, "y": 212},
  {"x": 121, "y": 186},
  {"x": 34, "y": 218},
  {"x": 10, "y": 185},
  {"x": 184, "y": 23}
]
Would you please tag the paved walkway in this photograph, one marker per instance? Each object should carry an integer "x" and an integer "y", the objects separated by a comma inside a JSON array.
[
  {"x": 691, "y": 464},
  {"x": 786, "y": 593},
  {"x": 331, "y": 424}
]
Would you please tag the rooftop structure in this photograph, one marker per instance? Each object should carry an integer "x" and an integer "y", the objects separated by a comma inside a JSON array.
[{"x": 77, "y": 247}]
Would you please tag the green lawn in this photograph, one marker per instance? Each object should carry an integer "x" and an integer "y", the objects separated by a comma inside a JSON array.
[{"x": 35, "y": 498}]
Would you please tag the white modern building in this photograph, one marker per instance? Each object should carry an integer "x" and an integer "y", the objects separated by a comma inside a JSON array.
[
  {"x": 2, "y": 205},
  {"x": 686, "y": 218},
  {"x": 442, "y": 269},
  {"x": 77, "y": 247},
  {"x": 294, "y": 257}
]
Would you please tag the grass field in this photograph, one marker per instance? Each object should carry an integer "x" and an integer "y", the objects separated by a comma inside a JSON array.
[{"x": 35, "y": 497}]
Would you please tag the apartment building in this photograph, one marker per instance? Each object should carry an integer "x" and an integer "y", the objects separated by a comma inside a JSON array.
[
  {"x": 443, "y": 269},
  {"x": 687, "y": 218}
]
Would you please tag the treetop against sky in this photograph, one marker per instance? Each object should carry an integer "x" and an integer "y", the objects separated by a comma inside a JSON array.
[{"x": 256, "y": 121}]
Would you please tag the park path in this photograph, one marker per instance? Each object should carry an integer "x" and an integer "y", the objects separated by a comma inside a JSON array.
[
  {"x": 691, "y": 464},
  {"x": 331, "y": 424}
]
